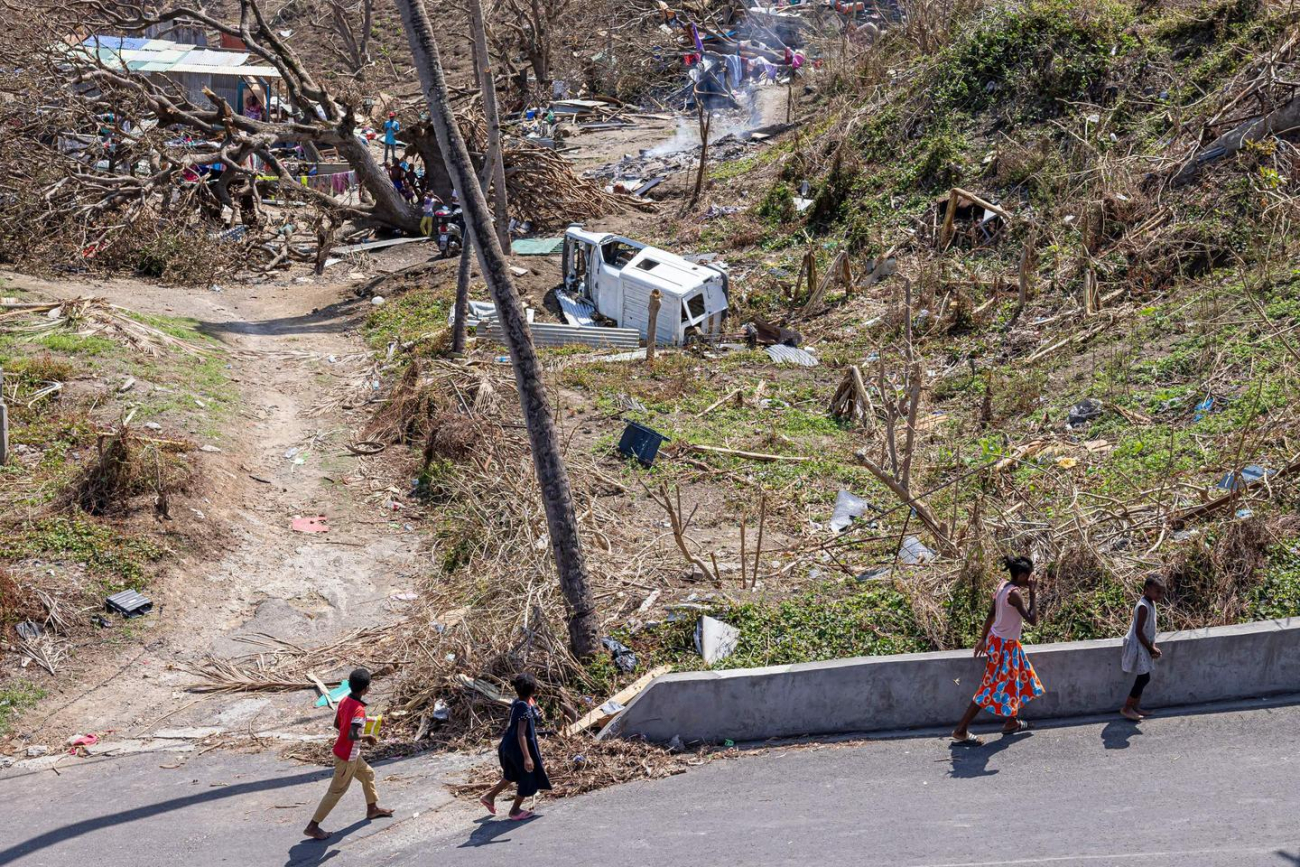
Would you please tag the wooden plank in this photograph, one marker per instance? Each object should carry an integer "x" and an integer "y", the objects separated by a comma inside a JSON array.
[
  {"x": 377, "y": 245},
  {"x": 623, "y": 696}
]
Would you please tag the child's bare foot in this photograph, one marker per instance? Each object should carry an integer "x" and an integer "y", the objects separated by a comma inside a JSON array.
[
  {"x": 489, "y": 804},
  {"x": 314, "y": 831},
  {"x": 1142, "y": 712},
  {"x": 1130, "y": 714},
  {"x": 374, "y": 811}
]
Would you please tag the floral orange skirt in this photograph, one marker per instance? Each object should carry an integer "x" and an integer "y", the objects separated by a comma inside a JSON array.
[{"x": 1009, "y": 680}]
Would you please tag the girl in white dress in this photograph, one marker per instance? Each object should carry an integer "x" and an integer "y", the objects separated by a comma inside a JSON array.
[{"x": 1140, "y": 651}]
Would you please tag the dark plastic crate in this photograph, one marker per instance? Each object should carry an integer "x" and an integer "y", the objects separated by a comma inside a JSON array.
[
  {"x": 128, "y": 603},
  {"x": 640, "y": 442}
]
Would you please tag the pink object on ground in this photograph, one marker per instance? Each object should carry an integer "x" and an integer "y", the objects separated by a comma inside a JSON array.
[
  {"x": 311, "y": 525},
  {"x": 521, "y": 815}
]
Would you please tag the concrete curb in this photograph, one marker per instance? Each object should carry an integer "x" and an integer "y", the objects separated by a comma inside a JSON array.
[{"x": 915, "y": 690}]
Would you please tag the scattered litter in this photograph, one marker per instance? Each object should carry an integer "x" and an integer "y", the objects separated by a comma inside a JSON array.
[
  {"x": 1203, "y": 407},
  {"x": 640, "y": 442},
  {"x": 517, "y": 271},
  {"x": 1245, "y": 512},
  {"x": 792, "y": 355},
  {"x": 801, "y": 204},
  {"x": 208, "y": 448},
  {"x": 880, "y": 573},
  {"x": 128, "y": 603},
  {"x": 153, "y": 425},
  {"x": 624, "y": 657},
  {"x": 675, "y": 745},
  {"x": 441, "y": 713},
  {"x": 378, "y": 300},
  {"x": 37, "y": 751},
  {"x": 478, "y": 313},
  {"x": 315, "y": 524},
  {"x": 913, "y": 553},
  {"x": 1083, "y": 412},
  {"x": 76, "y": 742},
  {"x": 536, "y": 246},
  {"x": 1067, "y": 463},
  {"x": 627, "y": 403},
  {"x": 405, "y": 597},
  {"x": 715, "y": 640},
  {"x": 29, "y": 630},
  {"x": 1249, "y": 475},
  {"x": 847, "y": 507},
  {"x": 127, "y": 384}
]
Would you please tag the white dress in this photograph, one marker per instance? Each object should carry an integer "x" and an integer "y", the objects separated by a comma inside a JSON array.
[{"x": 1137, "y": 659}]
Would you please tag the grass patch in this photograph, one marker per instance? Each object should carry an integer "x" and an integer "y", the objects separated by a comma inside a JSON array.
[{"x": 16, "y": 697}]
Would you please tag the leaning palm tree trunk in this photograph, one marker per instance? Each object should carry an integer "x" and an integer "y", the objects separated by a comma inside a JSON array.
[
  {"x": 487, "y": 86},
  {"x": 551, "y": 473}
]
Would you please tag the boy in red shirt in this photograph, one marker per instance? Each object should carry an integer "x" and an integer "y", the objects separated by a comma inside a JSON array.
[{"x": 348, "y": 764}]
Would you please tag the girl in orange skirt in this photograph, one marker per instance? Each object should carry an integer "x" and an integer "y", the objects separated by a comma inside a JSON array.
[{"x": 1009, "y": 679}]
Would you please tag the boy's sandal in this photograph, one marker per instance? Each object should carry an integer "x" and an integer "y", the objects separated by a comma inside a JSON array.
[
  {"x": 521, "y": 815},
  {"x": 488, "y": 805},
  {"x": 969, "y": 741}
]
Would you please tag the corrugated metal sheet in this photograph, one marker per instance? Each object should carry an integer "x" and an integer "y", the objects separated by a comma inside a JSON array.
[
  {"x": 555, "y": 334},
  {"x": 791, "y": 355},
  {"x": 577, "y": 310}
]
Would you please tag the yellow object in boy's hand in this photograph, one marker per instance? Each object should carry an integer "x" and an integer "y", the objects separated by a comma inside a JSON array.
[{"x": 371, "y": 727}]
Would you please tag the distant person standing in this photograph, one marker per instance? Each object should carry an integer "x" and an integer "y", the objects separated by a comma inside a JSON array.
[
  {"x": 1009, "y": 680},
  {"x": 520, "y": 757},
  {"x": 350, "y": 720},
  {"x": 392, "y": 127},
  {"x": 1140, "y": 651},
  {"x": 426, "y": 220}
]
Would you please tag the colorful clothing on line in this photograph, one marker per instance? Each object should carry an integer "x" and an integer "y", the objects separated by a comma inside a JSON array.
[{"x": 1009, "y": 681}]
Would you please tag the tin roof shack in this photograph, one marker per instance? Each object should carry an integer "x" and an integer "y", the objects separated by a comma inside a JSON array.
[
  {"x": 618, "y": 274},
  {"x": 190, "y": 68}
]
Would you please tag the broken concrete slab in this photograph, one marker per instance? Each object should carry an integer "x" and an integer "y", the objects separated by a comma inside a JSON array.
[{"x": 715, "y": 640}]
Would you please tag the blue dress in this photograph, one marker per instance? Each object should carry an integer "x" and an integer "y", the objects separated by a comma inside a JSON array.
[{"x": 512, "y": 758}]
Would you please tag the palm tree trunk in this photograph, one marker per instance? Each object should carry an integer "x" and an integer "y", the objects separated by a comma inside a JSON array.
[
  {"x": 552, "y": 476},
  {"x": 462, "y": 294},
  {"x": 494, "y": 155}
]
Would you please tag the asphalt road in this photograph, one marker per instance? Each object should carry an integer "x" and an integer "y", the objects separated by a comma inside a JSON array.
[{"x": 1207, "y": 788}]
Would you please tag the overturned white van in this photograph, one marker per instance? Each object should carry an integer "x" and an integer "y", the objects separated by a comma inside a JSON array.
[{"x": 617, "y": 275}]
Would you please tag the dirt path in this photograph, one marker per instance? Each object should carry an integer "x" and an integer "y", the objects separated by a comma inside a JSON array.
[{"x": 262, "y": 579}]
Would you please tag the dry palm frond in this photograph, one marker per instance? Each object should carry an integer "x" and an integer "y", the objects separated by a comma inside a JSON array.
[{"x": 87, "y": 316}]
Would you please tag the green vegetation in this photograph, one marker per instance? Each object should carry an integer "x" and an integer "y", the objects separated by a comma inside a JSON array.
[{"x": 17, "y": 696}]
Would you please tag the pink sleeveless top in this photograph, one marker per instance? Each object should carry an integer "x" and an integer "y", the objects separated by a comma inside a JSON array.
[{"x": 1007, "y": 621}]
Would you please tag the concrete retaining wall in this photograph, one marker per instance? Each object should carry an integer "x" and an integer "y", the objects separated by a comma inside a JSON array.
[{"x": 919, "y": 690}]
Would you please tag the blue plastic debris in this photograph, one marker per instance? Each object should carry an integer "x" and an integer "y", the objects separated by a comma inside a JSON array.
[
  {"x": 1249, "y": 476},
  {"x": 338, "y": 693},
  {"x": 1203, "y": 407},
  {"x": 640, "y": 442}
]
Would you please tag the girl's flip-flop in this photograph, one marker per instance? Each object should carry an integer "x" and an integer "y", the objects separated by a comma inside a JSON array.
[
  {"x": 488, "y": 805},
  {"x": 1021, "y": 726},
  {"x": 521, "y": 815},
  {"x": 969, "y": 741}
]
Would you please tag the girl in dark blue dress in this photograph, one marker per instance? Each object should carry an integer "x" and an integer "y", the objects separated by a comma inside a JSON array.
[{"x": 521, "y": 760}]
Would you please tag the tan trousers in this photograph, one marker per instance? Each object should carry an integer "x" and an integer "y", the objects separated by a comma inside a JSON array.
[{"x": 344, "y": 773}]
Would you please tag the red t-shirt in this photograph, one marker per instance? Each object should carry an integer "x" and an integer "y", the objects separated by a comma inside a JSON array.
[{"x": 350, "y": 711}]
